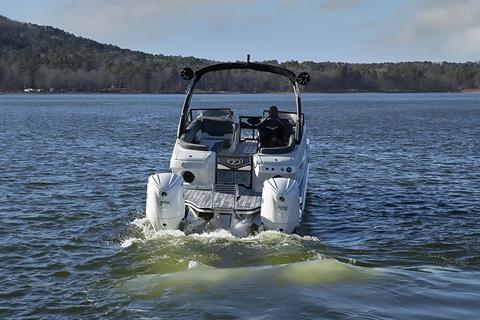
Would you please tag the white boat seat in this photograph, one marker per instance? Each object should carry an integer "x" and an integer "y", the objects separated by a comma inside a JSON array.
[
  {"x": 207, "y": 129},
  {"x": 213, "y": 144}
]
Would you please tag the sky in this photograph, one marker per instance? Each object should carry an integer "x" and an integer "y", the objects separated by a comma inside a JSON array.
[{"x": 320, "y": 30}]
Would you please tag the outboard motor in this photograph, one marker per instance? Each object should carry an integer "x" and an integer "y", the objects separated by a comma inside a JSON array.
[
  {"x": 165, "y": 206},
  {"x": 280, "y": 204}
]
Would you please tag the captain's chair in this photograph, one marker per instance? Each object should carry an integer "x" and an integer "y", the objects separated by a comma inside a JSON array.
[{"x": 276, "y": 134}]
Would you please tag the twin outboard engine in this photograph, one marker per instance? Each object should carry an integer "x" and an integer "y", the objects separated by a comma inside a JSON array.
[
  {"x": 280, "y": 204},
  {"x": 165, "y": 206}
]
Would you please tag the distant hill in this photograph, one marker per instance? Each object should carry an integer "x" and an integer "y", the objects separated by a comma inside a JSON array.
[{"x": 43, "y": 57}]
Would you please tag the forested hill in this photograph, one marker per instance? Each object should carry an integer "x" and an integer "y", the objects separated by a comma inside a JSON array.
[{"x": 44, "y": 57}]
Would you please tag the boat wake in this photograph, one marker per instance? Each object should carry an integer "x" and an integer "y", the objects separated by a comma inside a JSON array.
[
  {"x": 200, "y": 277},
  {"x": 185, "y": 262}
]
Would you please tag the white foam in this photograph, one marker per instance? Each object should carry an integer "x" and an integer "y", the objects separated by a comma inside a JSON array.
[
  {"x": 214, "y": 235},
  {"x": 150, "y": 233},
  {"x": 128, "y": 242},
  {"x": 261, "y": 238}
]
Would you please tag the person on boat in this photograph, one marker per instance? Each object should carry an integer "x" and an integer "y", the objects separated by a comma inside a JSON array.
[{"x": 274, "y": 131}]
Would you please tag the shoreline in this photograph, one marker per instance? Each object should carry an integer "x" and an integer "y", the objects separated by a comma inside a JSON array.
[{"x": 469, "y": 91}]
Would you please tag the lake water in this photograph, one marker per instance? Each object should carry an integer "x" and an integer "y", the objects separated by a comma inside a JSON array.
[{"x": 391, "y": 229}]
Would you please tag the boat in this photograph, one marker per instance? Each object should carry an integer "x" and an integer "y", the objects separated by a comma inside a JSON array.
[{"x": 242, "y": 173}]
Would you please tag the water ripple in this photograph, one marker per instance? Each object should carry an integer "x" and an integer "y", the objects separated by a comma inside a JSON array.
[{"x": 390, "y": 231}]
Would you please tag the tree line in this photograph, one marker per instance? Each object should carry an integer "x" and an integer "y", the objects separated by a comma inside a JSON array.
[{"x": 47, "y": 58}]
